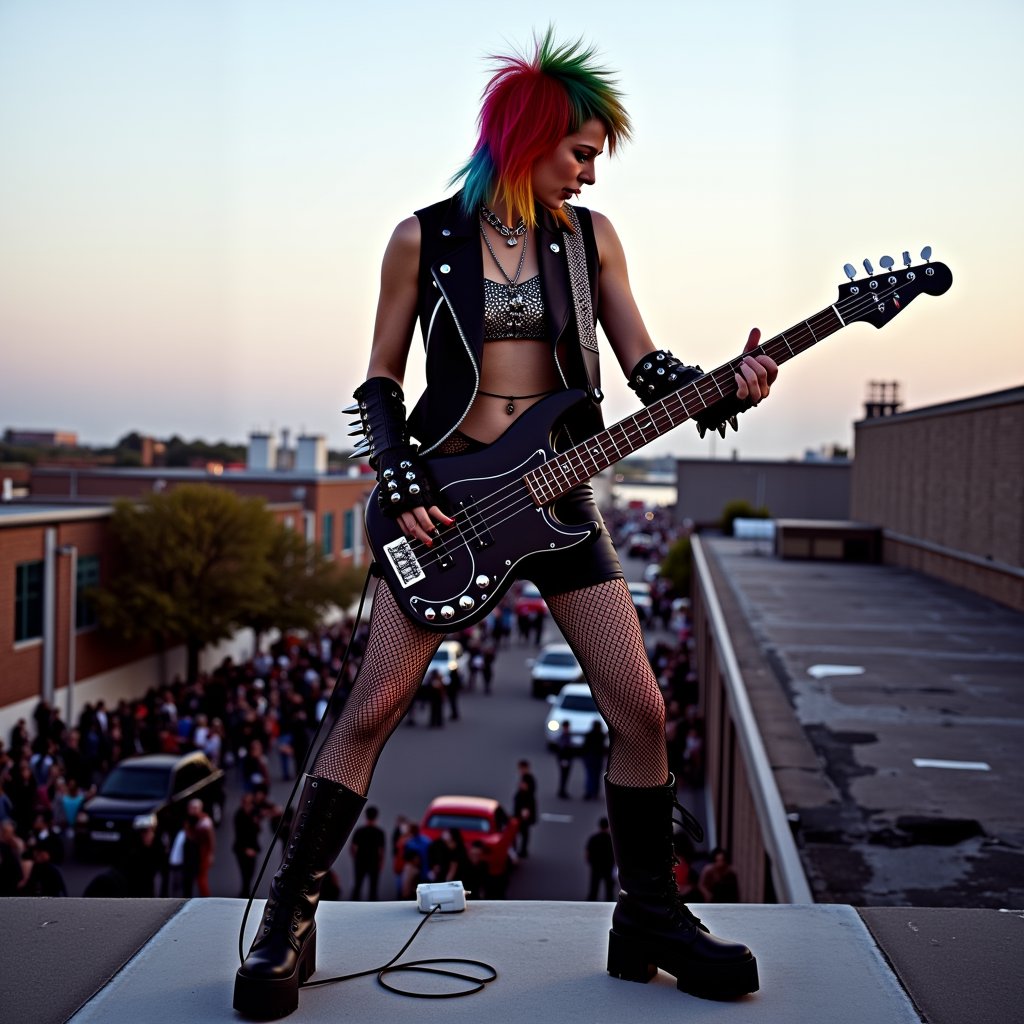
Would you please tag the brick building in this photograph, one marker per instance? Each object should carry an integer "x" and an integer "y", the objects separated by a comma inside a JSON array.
[
  {"x": 58, "y": 543},
  {"x": 946, "y": 484}
]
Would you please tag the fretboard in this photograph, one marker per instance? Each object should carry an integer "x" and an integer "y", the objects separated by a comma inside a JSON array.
[{"x": 560, "y": 474}]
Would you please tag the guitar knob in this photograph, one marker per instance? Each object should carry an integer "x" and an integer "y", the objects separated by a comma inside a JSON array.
[
  {"x": 430, "y": 615},
  {"x": 906, "y": 259},
  {"x": 447, "y": 612},
  {"x": 466, "y": 603},
  {"x": 483, "y": 582},
  {"x": 867, "y": 266},
  {"x": 850, "y": 270},
  {"x": 926, "y": 253},
  {"x": 887, "y": 262}
]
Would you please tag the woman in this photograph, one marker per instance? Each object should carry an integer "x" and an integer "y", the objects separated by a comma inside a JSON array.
[{"x": 486, "y": 274}]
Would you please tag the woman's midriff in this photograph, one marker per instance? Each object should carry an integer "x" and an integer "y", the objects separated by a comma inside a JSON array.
[{"x": 510, "y": 368}]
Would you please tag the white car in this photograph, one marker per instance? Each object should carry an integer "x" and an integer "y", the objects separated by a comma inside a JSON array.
[
  {"x": 575, "y": 705},
  {"x": 555, "y": 666},
  {"x": 449, "y": 655},
  {"x": 641, "y": 594}
]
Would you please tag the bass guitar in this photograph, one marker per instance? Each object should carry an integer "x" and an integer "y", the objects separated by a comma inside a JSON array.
[{"x": 501, "y": 498}]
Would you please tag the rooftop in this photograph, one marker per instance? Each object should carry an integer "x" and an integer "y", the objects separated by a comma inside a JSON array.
[{"x": 168, "y": 961}]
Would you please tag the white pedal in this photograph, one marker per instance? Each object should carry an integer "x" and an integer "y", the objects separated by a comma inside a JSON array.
[{"x": 449, "y": 896}]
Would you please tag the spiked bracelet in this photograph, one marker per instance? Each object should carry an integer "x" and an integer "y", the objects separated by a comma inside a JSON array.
[
  {"x": 381, "y": 424},
  {"x": 660, "y": 373},
  {"x": 402, "y": 481}
]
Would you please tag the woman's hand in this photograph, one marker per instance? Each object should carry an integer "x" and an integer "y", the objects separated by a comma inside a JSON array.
[
  {"x": 757, "y": 374},
  {"x": 420, "y": 523}
]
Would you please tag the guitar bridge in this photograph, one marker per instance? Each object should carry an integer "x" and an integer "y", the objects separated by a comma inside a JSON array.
[{"x": 405, "y": 564}]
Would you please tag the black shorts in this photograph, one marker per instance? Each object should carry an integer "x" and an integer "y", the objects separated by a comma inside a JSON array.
[{"x": 584, "y": 565}]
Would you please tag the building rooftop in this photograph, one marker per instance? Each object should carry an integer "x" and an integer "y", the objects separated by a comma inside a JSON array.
[
  {"x": 907, "y": 692},
  {"x": 168, "y": 961}
]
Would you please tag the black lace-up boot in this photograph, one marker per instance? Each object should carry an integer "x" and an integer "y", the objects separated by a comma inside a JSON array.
[
  {"x": 652, "y": 927},
  {"x": 283, "y": 954}
]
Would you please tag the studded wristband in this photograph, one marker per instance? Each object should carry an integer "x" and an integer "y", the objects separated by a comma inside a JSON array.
[{"x": 402, "y": 481}]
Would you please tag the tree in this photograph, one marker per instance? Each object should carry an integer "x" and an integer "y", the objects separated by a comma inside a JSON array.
[
  {"x": 300, "y": 586},
  {"x": 193, "y": 564},
  {"x": 741, "y": 509},
  {"x": 677, "y": 565}
]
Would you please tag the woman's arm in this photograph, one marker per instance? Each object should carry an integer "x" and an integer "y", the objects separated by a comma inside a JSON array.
[
  {"x": 396, "y": 307},
  {"x": 622, "y": 323}
]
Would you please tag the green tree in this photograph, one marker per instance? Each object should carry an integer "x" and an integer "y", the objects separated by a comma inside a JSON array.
[
  {"x": 300, "y": 586},
  {"x": 741, "y": 509},
  {"x": 193, "y": 564},
  {"x": 677, "y": 565}
]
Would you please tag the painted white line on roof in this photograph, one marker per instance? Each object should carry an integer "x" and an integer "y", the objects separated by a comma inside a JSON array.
[
  {"x": 963, "y": 766},
  {"x": 821, "y": 671}
]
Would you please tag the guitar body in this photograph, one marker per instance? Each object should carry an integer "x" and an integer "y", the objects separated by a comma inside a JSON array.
[{"x": 470, "y": 567}]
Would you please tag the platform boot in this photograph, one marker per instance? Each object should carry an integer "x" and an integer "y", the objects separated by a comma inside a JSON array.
[
  {"x": 651, "y": 925},
  {"x": 283, "y": 954}
]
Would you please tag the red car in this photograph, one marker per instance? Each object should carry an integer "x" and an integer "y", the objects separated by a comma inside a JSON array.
[{"x": 476, "y": 818}]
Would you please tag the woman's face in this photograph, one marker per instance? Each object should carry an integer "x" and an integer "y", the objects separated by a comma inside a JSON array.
[{"x": 562, "y": 174}]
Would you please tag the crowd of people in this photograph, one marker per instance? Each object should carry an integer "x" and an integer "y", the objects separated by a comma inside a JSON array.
[{"x": 258, "y": 717}]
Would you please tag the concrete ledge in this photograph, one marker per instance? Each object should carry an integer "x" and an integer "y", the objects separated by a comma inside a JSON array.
[{"x": 817, "y": 963}]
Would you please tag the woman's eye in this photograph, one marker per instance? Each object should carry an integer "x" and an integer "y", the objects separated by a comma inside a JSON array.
[{"x": 582, "y": 157}]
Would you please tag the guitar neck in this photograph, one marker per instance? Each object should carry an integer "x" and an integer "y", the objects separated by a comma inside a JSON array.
[{"x": 559, "y": 475}]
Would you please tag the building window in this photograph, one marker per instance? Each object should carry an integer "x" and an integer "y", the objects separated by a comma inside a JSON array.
[
  {"x": 350, "y": 529},
  {"x": 28, "y": 601},
  {"x": 327, "y": 534},
  {"x": 88, "y": 576}
]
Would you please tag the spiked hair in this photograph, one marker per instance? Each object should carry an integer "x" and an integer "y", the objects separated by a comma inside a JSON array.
[{"x": 529, "y": 105}]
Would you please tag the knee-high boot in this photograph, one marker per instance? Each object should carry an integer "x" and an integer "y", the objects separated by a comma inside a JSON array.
[
  {"x": 651, "y": 926},
  {"x": 283, "y": 954}
]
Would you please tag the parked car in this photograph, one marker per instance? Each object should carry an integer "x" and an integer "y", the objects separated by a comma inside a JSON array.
[
  {"x": 641, "y": 545},
  {"x": 641, "y": 594},
  {"x": 450, "y": 655},
  {"x": 529, "y": 600},
  {"x": 575, "y": 705},
  {"x": 157, "y": 785},
  {"x": 555, "y": 666},
  {"x": 477, "y": 818}
]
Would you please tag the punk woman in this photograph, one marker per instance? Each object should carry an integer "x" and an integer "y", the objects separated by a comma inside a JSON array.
[{"x": 488, "y": 274}]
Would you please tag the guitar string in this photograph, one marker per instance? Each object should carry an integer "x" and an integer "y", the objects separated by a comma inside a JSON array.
[{"x": 798, "y": 336}]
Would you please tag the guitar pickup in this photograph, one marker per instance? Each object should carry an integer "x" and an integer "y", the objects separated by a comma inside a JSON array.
[
  {"x": 405, "y": 564},
  {"x": 475, "y": 526}
]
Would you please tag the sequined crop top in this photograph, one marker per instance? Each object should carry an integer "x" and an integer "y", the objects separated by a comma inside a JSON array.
[{"x": 514, "y": 312}]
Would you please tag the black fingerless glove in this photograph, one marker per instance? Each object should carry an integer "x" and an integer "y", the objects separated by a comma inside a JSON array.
[
  {"x": 659, "y": 373},
  {"x": 402, "y": 480}
]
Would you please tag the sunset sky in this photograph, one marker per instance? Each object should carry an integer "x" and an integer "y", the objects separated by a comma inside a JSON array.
[{"x": 195, "y": 196}]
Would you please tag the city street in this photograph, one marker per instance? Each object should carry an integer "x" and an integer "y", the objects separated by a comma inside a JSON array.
[{"x": 475, "y": 755}]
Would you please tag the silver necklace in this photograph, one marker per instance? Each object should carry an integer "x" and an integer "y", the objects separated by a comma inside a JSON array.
[
  {"x": 511, "y": 235},
  {"x": 516, "y": 303}
]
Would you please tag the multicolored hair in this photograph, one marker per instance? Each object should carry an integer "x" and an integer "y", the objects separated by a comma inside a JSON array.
[{"x": 528, "y": 107}]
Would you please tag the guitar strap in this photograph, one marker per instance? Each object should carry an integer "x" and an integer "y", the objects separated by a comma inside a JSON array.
[{"x": 579, "y": 281}]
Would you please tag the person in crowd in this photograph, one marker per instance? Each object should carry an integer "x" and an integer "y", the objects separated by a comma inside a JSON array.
[
  {"x": 592, "y": 756},
  {"x": 718, "y": 880},
  {"x": 506, "y": 277},
  {"x": 565, "y": 754},
  {"x": 246, "y": 845},
  {"x": 204, "y": 837},
  {"x": 367, "y": 849},
  {"x": 600, "y": 859}
]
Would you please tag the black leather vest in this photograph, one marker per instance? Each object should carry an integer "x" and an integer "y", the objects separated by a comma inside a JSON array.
[{"x": 451, "y": 315}]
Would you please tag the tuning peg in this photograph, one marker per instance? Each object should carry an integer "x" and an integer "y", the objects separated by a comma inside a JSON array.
[
  {"x": 887, "y": 262},
  {"x": 906, "y": 258},
  {"x": 867, "y": 266},
  {"x": 926, "y": 253},
  {"x": 850, "y": 270}
]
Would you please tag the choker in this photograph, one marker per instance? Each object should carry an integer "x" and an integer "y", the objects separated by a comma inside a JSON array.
[{"x": 511, "y": 235}]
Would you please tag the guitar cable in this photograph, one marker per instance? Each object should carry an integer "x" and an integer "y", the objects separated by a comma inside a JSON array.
[{"x": 423, "y": 966}]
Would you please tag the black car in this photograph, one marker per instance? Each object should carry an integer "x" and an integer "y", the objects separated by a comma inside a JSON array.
[{"x": 158, "y": 786}]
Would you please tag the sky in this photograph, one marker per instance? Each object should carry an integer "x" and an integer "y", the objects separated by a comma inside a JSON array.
[{"x": 195, "y": 196}]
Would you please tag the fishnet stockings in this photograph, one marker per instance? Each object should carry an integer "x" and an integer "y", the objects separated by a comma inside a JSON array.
[
  {"x": 396, "y": 658},
  {"x": 600, "y": 624}
]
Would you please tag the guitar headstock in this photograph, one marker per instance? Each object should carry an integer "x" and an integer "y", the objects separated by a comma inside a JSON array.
[{"x": 879, "y": 297}]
